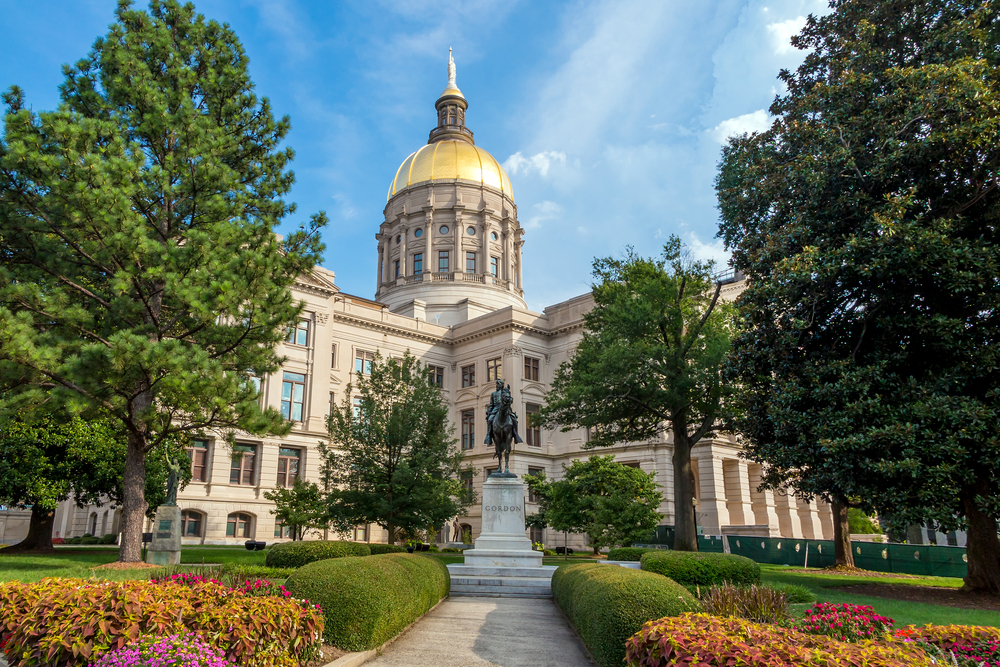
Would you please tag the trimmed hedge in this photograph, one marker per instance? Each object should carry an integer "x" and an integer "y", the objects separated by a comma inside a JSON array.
[
  {"x": 607, "y": 604},
  {"x": 368, "y": 601},
  {"x": 297, "y": 554},
  {"x": 689, "y": 568},
  {"x": 632, "y": 554},
  {"x": 387, "y": 549}
]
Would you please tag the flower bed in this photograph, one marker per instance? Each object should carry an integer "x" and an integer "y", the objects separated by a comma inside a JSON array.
[
  {"x": 846, "y": 622},
  {"x": 173, "y": 651}
]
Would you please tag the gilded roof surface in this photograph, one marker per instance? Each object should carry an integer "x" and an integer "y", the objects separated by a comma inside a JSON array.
[{"x": 449, "y": 160}]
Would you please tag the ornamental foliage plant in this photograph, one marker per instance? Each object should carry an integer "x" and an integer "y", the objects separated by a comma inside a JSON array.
[
  {"x": 866, "y": 220},
  {"x": 846, "y": 622},
  {"x": 760, "y": 604},
  {"x": 141, "y": 276},
  {"x": 650, "y": 360},
  {"x": 391, "y": 459},
  {"x": 173, "y": 651}
]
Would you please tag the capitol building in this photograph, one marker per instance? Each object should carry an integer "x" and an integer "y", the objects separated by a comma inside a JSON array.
[{"x": 449, "y": 288}]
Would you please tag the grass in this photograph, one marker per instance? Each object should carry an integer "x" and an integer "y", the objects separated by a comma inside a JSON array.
[{"x": 901, "y": 611}]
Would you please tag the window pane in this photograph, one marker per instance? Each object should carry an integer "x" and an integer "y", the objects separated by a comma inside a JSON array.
[
  {"x": 297, "y": 391},
  {"x": 231, "y": 528},
  {"x": 303, "y": 337},
  {"x": 286, "y": 409},
  {"x": 296, "y": 412},
  {"x": 294, "y": 377},
  {"x": 286, "y": 390}
]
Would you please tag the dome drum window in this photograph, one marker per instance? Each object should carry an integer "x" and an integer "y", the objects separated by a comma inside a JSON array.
[
  {"x": 444, "y": 230},
  {"x": 471, "y": 231},
  {"x": 493, "y": 235},
  {"x": 418, "y": 233}
]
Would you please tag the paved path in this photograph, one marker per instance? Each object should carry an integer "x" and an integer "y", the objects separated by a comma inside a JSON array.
[{"x": 488, "y": 632}]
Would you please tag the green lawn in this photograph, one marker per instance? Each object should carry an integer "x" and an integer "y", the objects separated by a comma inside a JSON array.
[{"x": 904, "y": 613}]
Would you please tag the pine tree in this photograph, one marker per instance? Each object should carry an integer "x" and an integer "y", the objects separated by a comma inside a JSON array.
[{"x": 140, "y": 272}]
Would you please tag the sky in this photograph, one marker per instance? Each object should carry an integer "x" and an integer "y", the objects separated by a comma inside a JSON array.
[{"x": 609, "y": 115}]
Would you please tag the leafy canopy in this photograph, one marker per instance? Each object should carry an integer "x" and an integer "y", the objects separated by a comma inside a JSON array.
[{"x": 300, "y": 508}]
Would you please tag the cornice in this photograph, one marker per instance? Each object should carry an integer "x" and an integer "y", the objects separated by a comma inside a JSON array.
[{"x": 385, "y": 327}]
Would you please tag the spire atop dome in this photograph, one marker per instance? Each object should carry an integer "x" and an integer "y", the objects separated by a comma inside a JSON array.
[
  {"x": 452, "y": 87},
  {"x": 451, "y": 106}
]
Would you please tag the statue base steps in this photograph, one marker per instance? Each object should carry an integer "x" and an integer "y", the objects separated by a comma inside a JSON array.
[{"x": 501, "y": 582}]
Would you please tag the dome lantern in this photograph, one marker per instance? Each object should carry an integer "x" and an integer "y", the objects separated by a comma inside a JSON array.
[{"x": 451, "y": 106}]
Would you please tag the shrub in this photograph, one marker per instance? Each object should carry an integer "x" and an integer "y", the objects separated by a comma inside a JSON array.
[
  {"x": 794, "y": 594},
  {"x": 632, "y": 554},
  {"x": 110, "y": 538},
  {"x": 173, "y": 651},
  {"x": 377, "y": 549},
  {"x": 710, "y": 641},
  {"x": 74, "y": 540},
  {"x": 607, "y": 604},
  {"x": 450, "y": 550},
  {"x": 846, "y": 622},
  {"x": 236, "y": 573},
  {"x": 58, "y": 540},
  {"x": 297, "y": 554},
  {"x": 68, "y": 622},
  {"x": 761, "y": 604},
  {"x": 549, "y": 552},
  {"x": 368, "y": 601},
  {"x": 698, "y": 569},
  {"x": 90, "y": 540}
]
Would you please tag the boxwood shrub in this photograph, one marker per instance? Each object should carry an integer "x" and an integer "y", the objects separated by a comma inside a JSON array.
[
  {"x": 627, "y": 553},
  {"x": 607, "y": 604},
  {"x": 387, "y": 549},
  {"x": 697, "y": 569},
  {"x": 368, "y": 601},
  {"x": 297, "y": 554}
]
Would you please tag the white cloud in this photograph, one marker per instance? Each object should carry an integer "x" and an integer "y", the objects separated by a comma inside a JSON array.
[
  {"x": 715, "y": 250},
  {"x": 781, "y": 33},
  {"x": 542, "y": 211},
  {"x": 757, "y": 121},
  {"x": 539, "y": 162}
]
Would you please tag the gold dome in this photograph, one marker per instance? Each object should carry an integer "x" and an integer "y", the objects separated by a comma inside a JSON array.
[{"x": 449, "y": 160}]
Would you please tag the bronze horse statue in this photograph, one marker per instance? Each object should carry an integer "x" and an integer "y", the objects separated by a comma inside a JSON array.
[{"x": 502, "y": 431}]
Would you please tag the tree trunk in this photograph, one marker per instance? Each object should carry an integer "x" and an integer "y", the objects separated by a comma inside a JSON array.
[
  {"x": 685, "y": 532},
  {"x": 841, "y": 536},
  {"x": 39, "y": 538},
  {"x": 983, "y": 547},
  {"x": 134, "y": 504},
  {"x": 392, "y": 532}
]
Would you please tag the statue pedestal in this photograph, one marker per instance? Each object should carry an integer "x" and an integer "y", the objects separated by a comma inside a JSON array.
[
  {"x": 502, "y": 542},
  {"x": 165, "y": 548}
]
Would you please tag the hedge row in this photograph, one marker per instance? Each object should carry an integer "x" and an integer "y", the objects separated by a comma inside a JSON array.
[
  {"x": 702, "y": 569},
  {"x": 367, "y": 601},
  {"x": 607, "y": 604},
  {"x": 69, "y": 622},
  {"x": 297, "y": 554},
  {"x": 627, "y": 553},
  {"x": 377, "y": 549}
]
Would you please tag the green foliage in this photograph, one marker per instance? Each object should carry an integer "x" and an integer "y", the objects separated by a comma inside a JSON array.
[
  {"x": 698, "y": 569},
  {"x": 368, "y": 601},
  {"x": 627, "y": 553},
  {"x": 297, "y": 554},
  {"x": 607, "y": 604},
  {"x": 232, "y": 574},
  {"x": 301, "y": 508},
  {"x": 393, "y": 463},
  {"x": 865, "y": 220},
  {"x": 71, "y": 621},
  {"x": 651, "y": 355},
  {"x": 377, "y": 549},
  {"x": 614, "y": 504},
  {"x": 794, "y": 594},
  {"x": 761, "y": 604},
  {"x": 861, "y": 524},
  {"x": 141, "y": 275}
]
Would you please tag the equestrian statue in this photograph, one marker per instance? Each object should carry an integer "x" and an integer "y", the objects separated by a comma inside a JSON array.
[{"x": 501, "y": 425}]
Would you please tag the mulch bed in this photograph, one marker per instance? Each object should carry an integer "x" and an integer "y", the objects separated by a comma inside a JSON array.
[
  {"x": 841, "y": 570},
  {"x": 127, "y": 566},
  {"x": 330, "y": 653},
  {"x": 948, "y": 597}
]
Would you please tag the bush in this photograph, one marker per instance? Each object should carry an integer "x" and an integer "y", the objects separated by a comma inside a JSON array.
[
  {"x": 68, "y": 622},
  {"x": 710, "y": 641},
  {"x": 58, "y": 540},
  {"x": 761, "y": 604},
  {"x": 368, "y": 601},
  {"x": 632, "y": 554},
  {"x": 698, "y": 569},
  {"x": 451, "y": 550},
  {"x": 297, "y": 554},
  {"x": 90, "y": 540},
  {"x": 74, "y": 540},
  {"x": 110, "y": 538},
  {"x": 607, "y": 604},
  {"x": 186, "y": 650},
  {"x": 233, "y": 574},
  {"x": 846, "y": 622},
  {"x": 377, "y": 549},
  {"x": 794, "y": 594}
]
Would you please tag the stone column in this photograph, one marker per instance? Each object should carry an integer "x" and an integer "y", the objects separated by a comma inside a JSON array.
[
  {"x": 712, "y": 510},
  {"x": 402, "y": 253},
  {"x": 430, "y": 259},
  {"x": 520, "y": 265},
  {"x": 484, "y": 250},
  {"x": 762, "y": 502},
  {"x": 809, "y": 519},
  {"x": 505, "y": 253},
  {"x": 737, "y": 492},
  {"x": 458, "y": 264},
  {"x": 381, "y": 261},
  {"x": 386, "y": 246},
  {"x": 825, "y": 514},
  {"x": 786, "y": 506}
]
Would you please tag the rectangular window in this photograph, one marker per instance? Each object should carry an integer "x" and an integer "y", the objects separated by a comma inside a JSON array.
[
  {"x": 333, "y": 356},
  {"x": 242, "y": 471},
  {"x": 494, "y": 369},
  {"x": 293, "y": 391},
  {"x": 469, "y": 376},
  {"x": 468, "y": 429},
  {"x": 198, "y": 453},
  {"x": 467, "y": 481},
  {"x": 437, "y": 375},
  {"x": 396, "y": 268},
  {"x": 299, "y": 333},
  {"x": 443, "y": 261},
  {"x": 288, "y": 466},
  {"x": 363, "y": 362},
  {"x": 361, "y": 534},
  {"x": 630, "y": 464},
  {"x": 495, "y": 266},
  {"x": 533, "y": 471},
  {"x": 418, "y": 263},
  {"x": 281, "y": 530},
  {"x": 332, "y": 399},
  {"x": 357, "y": 408},
  {"x": 533, "y": 434},
  {"x": 470, "y": 262},
  {"x": 531, "y": 369}
]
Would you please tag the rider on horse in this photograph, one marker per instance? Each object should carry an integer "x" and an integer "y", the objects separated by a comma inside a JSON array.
[{"x": 495, "y": 400}]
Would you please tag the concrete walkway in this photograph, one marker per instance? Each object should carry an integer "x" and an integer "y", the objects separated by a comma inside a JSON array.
[{"x": 488, "y": 632}]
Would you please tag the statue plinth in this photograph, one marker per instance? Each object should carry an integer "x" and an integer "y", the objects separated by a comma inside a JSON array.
[
  {"x": 165, "y": 548},
  {"x": 502, "y": 542}
]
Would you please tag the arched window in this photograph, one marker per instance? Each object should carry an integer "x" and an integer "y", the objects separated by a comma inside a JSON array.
[
  {"x": 466, "y": 535},
  {"x": 93, "y": 524},
  {"x": 239, "y": 524},
  {"x": 191, "y": 523}
]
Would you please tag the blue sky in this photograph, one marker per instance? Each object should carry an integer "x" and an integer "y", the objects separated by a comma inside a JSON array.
[{"x": 608, "y": 114}]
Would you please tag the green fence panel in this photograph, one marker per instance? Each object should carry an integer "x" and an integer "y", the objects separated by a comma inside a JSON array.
[
  {"x": 820, "y": 553},
  {"x": 711, "y": 544},
  {"x": 943, "y": 561}
]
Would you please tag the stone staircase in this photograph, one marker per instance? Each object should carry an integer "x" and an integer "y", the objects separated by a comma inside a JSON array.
[{"x": 477, "y": 581}]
